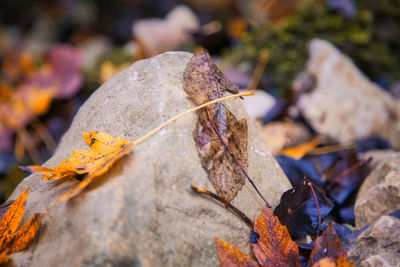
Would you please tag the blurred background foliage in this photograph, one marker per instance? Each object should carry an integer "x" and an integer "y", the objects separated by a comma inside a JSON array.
[
  {"x": 54, "y": 54},
  {"x": 367, "y": 32}
]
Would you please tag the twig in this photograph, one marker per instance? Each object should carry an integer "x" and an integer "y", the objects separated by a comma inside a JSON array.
[
  {"x": 352, "y": 168},
  {"x": 155, "y": 130},
  {"x": 23, "y": 135},
  {"x": 330, "y": 149},
  {"x": 258, "y": 70},
  {"x": 44, "y": 134},
  {"x": 317, "y": 205},
  {"x": 223, "y": 201}
]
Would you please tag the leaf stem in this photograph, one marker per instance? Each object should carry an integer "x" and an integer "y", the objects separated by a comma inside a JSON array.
[
  {"x": 317, "y": 205},
  {"x": 155, "y": 130},
  {"x": 199, "y": 190},
  {"x": 352, "y": 168}
]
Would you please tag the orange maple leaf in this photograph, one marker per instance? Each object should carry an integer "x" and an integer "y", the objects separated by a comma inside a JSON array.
[
  {"x": 328, "y": 250},
  {"x": 230, "y": 255},
  {"x": 274, "y": 246},
  {"x": 11, "y": 240},
  {"x": 85, "y": 165},
  {"x": 333, "y": 262}
]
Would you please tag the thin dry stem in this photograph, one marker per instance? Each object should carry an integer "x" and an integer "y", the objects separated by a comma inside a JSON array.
[
  {"x": 44, "y": 134},
  {"x": 317, "y": 205},
  {"x": 330, "y": 149},
  {"x": 258, "y": 70},
  {"x": 200, "y": 190},
  {"x": 155, "y": 130},
  {"x": 23, "y": 135}
]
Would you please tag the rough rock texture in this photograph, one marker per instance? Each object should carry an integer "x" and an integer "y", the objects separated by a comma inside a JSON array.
[
  {"x": 378, "y": 245},
  {"x": 340, "y": 102},
  {"x": 142, "y": 211},
  {"x": 380, "y": 192},
  {"x": 378, "y": 156}
]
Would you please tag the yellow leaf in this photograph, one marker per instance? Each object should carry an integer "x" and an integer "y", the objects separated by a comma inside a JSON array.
[
  {"x": 85, "y": 165},
  {"x": 11, "y": 240},
  {"x": 229, "y": 255},
  {"x": 300, "y": 151}
]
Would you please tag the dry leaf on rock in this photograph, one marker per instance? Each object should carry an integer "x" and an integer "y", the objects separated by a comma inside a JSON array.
[
  {"x": 204, "y": 81},
  {"x": 274, "y": 246},
  {"x": 85, "y": 165},
  {"x": 326, "y": 245},
  {"x": 11, "y": 240},
  {"x": 231, "y": 256},
  {"x": 224, "y": 174},
  {"x": 217, "y": 127}
]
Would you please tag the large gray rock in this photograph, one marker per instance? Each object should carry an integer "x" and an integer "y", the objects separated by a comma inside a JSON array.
[
  {"x": 378, "y": 245},
  {"x": 380, "y": 192},
  {"x": 341, "y": 102},
  {"x": 142, "y": 211}
]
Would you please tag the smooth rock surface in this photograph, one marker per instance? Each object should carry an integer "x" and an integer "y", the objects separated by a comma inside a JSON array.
[
  {"x": 378, "y": 245},
  {"x": 142, "y": 211},
  {"x": 341, "y": 102},
  {"x": 380, "y": 192}
]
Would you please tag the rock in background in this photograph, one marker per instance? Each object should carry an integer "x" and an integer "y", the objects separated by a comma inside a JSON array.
[
  {"x": 380, "y": 192},
  {"x": 342, "y": 103},
  {"x": 142, "y": 211},
  {"x": 378, "y": 245}
]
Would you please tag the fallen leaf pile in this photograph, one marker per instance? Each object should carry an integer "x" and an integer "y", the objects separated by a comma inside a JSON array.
[
  {"x": 27, "y": 90},
  {"x": 274, "y": 247},
  {"x": 85, "y": 165},
  {"x": 11, "y": 239}
]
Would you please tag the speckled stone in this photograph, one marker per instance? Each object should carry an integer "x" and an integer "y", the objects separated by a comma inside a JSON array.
[
  {"x": 142, "y": 211},
  {"x": 341, "y": 102}
]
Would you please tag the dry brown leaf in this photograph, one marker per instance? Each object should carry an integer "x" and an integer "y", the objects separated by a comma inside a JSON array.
[
  {"x": 230, "y": 256},
  {"x": 217, "y": 127},
  {"x": 204, "y": 81},
  {"x": 11, "y": 239},
  {"x": 326, "y": 245},
  {"x": 224, "y": 174},
  {"x": 274, "y": 246},
  {"x": 85, "y": 165},
  {"x": 331, "y": 262}
]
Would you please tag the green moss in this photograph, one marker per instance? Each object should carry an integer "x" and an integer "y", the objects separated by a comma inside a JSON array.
[{"x": 371, "y": 39}]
